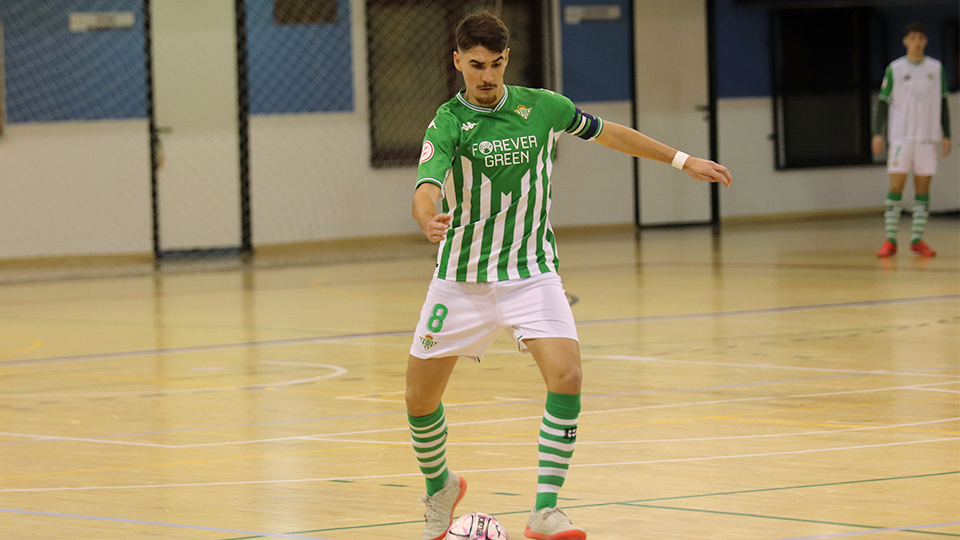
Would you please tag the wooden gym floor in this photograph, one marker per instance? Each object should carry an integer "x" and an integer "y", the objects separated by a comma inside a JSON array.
[{"x": 774, "y": 382}]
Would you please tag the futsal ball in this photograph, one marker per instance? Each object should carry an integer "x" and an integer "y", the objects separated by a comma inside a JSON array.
[{"x": 476, "y": 526}]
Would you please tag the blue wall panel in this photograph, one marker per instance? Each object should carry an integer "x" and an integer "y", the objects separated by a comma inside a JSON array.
[
  {"x": 298, "y": 68},
  {"x": 743, "y": 50},
  {"x": 55, "y": 75},
  {"x": 596, "y": 55}
]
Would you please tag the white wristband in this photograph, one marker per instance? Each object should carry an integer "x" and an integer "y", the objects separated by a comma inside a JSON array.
[{"x": 679, "y": 159}]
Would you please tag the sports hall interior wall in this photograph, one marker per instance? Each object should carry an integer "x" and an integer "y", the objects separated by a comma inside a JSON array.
[{"x": 75, "y": 166}]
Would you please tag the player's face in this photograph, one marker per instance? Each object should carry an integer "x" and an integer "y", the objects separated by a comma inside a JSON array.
[
  {"x": 482, "y": 73},
  {"x": 915, "y": 42}
]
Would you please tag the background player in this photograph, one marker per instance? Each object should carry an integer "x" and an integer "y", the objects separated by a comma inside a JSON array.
[
  {"x": 914, "y": 96},
  {"x": 488, "y": 155}
]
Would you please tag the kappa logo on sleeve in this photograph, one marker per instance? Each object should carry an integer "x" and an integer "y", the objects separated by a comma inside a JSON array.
[{"x": 427, "y": 152}]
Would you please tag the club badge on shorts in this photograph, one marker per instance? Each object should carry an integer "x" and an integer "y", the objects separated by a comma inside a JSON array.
[{"x": 428, "y": 341}]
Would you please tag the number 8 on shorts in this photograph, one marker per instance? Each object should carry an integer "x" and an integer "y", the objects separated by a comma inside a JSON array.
[{"x": 437, "y": 315}]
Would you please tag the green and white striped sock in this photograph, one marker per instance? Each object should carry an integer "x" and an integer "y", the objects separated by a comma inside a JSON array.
[
  {"x": 558, "y": 436},
  {"x": 891, "y": 215},
  {"x": 429, "y": 435},
  {"x": 921, "y": 211}
]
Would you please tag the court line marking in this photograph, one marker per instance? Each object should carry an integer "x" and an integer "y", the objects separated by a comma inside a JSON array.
[
  {"x": 648, "y": 441},
  {"x": 768, "y": 366},
  {"x": 936, "y": 390},
  {"x": 766, "y": 311},
  {"x": 874, "y": 531},
  {"x": 159, "y": 524},
  {"x": 337, "y": 438},
  {"x": 633, "y": 502},
  {"x": 405, "y": 429},
  {"x": 337, "y": 371},
  {"x": 406, "y": 333},
  {"x": 498, "y": 470},
  {"x": 874, "y": 528}
]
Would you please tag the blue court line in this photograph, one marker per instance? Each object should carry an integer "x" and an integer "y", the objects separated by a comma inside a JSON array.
[
  {"x": 484, "y": 405},
  {"x": 874, "y": 531},
  {"x": 202, "y": 348},
  {"x": 324, "y": 339},
  {"x": 160, "y": 524},
  {"x": 767, "y": 311}
]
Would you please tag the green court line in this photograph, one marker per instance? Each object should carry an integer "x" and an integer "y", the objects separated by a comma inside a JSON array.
[
  {"x": 642, "y": 501},
  {"x": 763, "y": 490},
  {"x": 781, "y": 518}
]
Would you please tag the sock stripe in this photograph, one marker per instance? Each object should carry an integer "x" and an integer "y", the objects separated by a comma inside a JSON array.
[
  {"x": 428, "y": 435},
  {"x": 546, "y": 445},
  {"x": 921, "y": 211},
  {"x": 558, "y": 437},
  {"x": 891, "y": 218},
  {"x": 559, "y": 422}
]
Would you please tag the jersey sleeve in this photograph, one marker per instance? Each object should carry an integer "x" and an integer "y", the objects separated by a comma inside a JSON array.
[
  {"x": 440, "y": 144},
  {"x": 887, "y": 85},
  {"x": 569, "y": 118}
]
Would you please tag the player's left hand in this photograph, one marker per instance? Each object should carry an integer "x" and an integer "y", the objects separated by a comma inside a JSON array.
[
  {"x": 707, "y": 171},
  {"x": 946, "y": 147}
]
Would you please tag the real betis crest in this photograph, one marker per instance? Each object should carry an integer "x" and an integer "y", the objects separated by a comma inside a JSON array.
[
  {"x": 524, "y": 111},
  {"x": 427, "y": 341}
]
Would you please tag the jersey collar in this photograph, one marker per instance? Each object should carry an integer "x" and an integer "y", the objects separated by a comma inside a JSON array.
[{"x": 461, "y": 95}]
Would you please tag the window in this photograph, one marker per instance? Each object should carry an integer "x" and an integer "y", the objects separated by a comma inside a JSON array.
[
  {"x": 410, "y": 47},
  {"x": 821, "y": 87}
]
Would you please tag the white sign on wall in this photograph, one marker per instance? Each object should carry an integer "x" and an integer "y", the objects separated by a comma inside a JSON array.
[
  {"x": 88, "y": 21},
  {"x": 579, "y": 14}
]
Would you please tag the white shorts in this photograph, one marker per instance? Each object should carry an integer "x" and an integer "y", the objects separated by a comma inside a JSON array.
[
  {"x": 463, "y": 319},
  {"x": 921, "y": 158}
]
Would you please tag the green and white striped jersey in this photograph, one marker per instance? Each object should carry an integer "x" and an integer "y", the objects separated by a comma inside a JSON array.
[
  {"x": 494, "y": 166},
  {"x": 914, "y": 92}
]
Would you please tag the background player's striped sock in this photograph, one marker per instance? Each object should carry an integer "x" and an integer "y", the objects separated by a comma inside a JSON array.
[
  {"x": 921, "y": 211},
  {"x": 891, "y": 215},
  {"x": 429, "y": 435},
  {"x": 558, "y": 436}
]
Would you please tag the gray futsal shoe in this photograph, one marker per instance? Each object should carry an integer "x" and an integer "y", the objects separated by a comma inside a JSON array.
[{"x": 440, "y": 507}]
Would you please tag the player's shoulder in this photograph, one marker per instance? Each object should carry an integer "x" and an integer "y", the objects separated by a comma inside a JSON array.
[
  {"x": 934, "y": 63},
  {"x": 536, "y": 94},
  {"x": 447, "y": 115}
]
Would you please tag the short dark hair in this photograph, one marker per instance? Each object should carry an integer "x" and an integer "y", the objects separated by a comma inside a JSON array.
[
  {"x": 485, "y": 30},
  {"x": 914, "y": 27}
]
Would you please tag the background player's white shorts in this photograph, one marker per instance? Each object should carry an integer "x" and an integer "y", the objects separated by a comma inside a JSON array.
[
  {"x": 463, "y": 319},
  {"x": 921, "y": 158}
]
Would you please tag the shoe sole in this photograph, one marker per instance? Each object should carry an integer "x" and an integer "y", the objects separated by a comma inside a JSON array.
[
  {"x": 463, "y": 491},
  {"x": 565, "y": 535}
]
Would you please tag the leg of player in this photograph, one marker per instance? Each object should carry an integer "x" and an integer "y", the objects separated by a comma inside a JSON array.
[
  {"x": 921, "y": 211},
  {"x": 559, "y": 362},
  {"x": 891, "y": 214},
  {"x": 426, "y": 381}
]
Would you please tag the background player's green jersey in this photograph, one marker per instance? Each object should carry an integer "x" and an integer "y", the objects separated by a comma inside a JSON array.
[{"x": 494, "y": 166}]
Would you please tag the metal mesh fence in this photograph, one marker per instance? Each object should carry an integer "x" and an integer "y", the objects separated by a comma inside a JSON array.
[{"x": 172, "y": 130}]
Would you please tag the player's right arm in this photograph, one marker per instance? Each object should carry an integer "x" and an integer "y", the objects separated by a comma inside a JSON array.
[
  {"x": 436, "y": 159},
  {"x": 633, "y": 143},
  {"x": 880, "y": 116},
  {"x": 433, "y": 224}
]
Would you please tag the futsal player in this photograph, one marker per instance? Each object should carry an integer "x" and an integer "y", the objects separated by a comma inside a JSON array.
[
  {"x": 488, "y": 158},
  {"x": 913, "y": 97}
]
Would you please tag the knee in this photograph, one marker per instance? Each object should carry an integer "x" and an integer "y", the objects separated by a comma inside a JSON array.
[
  {"x": 568, "y": 382},
  {"x": 418, "y": 404}
]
